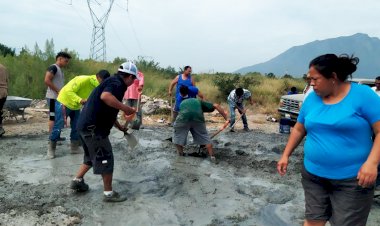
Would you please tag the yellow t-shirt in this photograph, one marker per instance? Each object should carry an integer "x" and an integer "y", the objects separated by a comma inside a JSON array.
[{"x": 77, "y": 89}]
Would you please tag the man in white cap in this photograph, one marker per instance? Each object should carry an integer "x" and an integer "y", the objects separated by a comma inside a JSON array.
[{"x": 96, "y": 120}]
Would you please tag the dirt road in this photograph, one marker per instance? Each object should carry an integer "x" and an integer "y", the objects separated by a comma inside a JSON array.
[{"x": 162, "y": 188}]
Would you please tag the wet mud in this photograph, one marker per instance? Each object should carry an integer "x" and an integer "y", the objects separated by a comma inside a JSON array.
[{"x": 243, "y": 188}]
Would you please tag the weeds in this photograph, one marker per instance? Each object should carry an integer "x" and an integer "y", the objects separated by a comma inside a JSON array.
[{"x": 27, "y": 71}]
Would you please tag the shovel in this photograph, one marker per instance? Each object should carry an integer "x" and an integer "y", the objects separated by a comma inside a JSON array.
[
  {"x": 241, "y": 115},
  {"x": 221, "y": 129},
  {"x": 136, "y": 123},
  {"x": 131, "y": 139}
]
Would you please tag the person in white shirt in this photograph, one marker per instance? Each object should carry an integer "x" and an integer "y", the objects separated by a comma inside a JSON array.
[
  {"x": 308, "y": 89},
  {"x": 235, "y": 101},
  {"x": 376, "y": 88}
]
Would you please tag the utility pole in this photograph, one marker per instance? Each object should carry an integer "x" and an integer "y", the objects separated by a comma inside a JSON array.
[{"x": 99, "y": 18}]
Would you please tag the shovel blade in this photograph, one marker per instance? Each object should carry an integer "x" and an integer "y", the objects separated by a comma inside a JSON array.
[{"x": 131, "y": 139}]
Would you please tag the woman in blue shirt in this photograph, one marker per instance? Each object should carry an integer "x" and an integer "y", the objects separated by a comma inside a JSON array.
[{"x": 340, "y": 159}]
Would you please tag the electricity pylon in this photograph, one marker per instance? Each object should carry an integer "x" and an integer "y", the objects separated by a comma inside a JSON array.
[{"x": 99, "y": 19}]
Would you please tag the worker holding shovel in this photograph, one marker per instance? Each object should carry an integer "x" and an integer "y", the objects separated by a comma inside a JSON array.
[
  {"x": 191, "y": 118},
  {"x": 236, "y": 101},
  {"x": 98, "y": 117},
  {"x": 186, "y": 92}
]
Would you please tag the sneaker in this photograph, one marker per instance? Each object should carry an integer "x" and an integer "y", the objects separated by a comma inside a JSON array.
[
  {"x": 232, "y": 130},
  {"x": 114, "y": 197},
  {"x": 79, "y": 186},
  {"x": 246, "y": 129}
]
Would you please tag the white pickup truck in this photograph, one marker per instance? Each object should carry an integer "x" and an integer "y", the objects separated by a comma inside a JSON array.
[{"x": 290, "y": 105}]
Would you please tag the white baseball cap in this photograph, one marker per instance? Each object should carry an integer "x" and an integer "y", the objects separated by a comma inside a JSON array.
[{"x": 129, "y": 68}]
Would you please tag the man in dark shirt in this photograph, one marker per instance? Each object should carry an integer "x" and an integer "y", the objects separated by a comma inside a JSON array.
[{"x": 96, "y": 120}]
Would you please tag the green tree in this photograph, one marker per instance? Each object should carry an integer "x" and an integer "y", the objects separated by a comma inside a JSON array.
[
  {"x": 287, "y": 76},
  {"x": 119, "y": 60},
  {"x": 227, "y": 82},
  {"x": 49, "y": 53},
  {"x": 270, "y": 75},
  {"x": 5, "y": 50},
  {"x": 37, "y": 51}
]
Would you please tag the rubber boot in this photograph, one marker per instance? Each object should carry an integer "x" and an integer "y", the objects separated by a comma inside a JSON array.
[
  {"x": 51, "y": 150},
  {"x": 75, "y": 147}
]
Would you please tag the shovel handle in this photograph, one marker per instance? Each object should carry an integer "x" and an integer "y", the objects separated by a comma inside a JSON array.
[
  {"x": 221, "y": 129},
  {"x": 138, "y": 102},
  {"x": 171, "y": 108},
  {"x": 243, "y": 113}
]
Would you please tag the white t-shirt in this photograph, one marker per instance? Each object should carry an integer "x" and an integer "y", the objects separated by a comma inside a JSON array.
[{"x": 375, "y": 90}]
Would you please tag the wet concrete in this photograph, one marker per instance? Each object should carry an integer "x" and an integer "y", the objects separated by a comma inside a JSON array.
[{"x": 162, "y": 188}]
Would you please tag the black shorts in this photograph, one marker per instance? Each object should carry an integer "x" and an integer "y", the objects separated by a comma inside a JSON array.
[
  {"x": 51, "y": 104},
  {"x": 341, "y": 202},
  {"x": 97, "y": 152}
]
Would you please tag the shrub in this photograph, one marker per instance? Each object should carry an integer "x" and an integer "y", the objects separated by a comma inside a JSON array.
[
  {"x": 227, "y": 82},
  {"x": 27, "y": 72}
]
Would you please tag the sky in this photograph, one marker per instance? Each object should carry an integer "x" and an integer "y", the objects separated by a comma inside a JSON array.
[{"x": 209, "y": 35}]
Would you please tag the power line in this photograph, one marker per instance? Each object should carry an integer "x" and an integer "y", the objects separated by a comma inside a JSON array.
[
  {"x": 71, "y": 2},
  {"x": 132, "y": 26},
  {"x": 118, "y": 5},
  {"x": 135, "y": 34},
  {"x": 83, "y": 19},
  {"x": 118, "y": 37}
]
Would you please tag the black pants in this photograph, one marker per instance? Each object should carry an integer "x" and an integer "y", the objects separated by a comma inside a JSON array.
[
  {"x": 97, "y": 152},
  {"x": 2, "y": 102},
  {"x": 341, "y": 202}
]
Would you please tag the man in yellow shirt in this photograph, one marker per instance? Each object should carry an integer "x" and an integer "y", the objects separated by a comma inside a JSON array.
[{"x": 69, "y": 102}]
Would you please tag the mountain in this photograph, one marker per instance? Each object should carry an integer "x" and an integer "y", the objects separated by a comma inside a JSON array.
[{"x": 295, "y": 61}]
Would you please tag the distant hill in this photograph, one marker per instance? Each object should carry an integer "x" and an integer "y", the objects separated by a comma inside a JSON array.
[{"x": 295, "y": 61}]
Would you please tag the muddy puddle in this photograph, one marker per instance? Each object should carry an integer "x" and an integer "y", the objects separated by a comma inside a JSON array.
[{"x": 162, "y": 188}]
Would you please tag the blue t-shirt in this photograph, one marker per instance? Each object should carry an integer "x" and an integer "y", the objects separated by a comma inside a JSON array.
[
  {"x": 339, "y": 135},
  {"x": 193, "y": 92}
]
